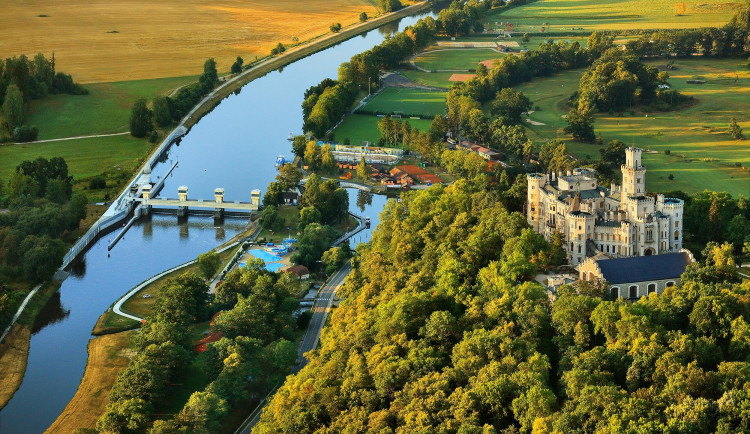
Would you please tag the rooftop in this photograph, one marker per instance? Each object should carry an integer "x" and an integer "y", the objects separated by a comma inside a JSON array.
[{"x": 644, "y": 268}]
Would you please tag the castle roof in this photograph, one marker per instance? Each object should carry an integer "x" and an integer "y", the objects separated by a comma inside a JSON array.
[
  {"x": 608, "y": 223},
  {"x": 644, "y": 268}
]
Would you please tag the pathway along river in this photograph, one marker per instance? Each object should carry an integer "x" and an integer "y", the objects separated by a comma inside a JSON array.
[{"x": 235, "y": 147}]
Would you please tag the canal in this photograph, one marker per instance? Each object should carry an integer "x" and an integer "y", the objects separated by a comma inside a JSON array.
[{"x": 235, "y": 147}]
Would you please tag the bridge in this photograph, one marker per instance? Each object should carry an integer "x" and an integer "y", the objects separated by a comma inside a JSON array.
[{"x": 182, "y": 204}]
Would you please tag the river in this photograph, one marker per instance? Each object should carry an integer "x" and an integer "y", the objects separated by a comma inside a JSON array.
[{"x": 235, "y": 147}]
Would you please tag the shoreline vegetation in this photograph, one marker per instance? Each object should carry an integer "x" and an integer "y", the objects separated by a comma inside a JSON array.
[{"x": 11, "y": 381}]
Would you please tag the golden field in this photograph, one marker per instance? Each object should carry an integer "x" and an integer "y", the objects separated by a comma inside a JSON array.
[{"x": 116, "y": 40}]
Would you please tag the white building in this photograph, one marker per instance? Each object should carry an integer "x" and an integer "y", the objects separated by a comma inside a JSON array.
[{"x": 618, "y": 222}]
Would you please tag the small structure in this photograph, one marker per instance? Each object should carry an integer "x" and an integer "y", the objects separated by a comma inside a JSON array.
[
  {"x": 219, "y": 195},
  {"x": 255, "y": 197},
  {"x": 300, "y": 271},
  {"x": 637, "y": 276},
  {"x": 290, "y": 197}
]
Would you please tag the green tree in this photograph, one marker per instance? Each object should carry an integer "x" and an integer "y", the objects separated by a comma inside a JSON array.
[
  {"x": 525, "y": 38},
  {"x": 162, "y": 111},
  {"x": 14, "y": 108},
  {"x": 735, "y": 130},
  {"x": 363, "y": 170},
  {"x": 237, "y": 65},
  {"x": 140, "y": 119},
  {"x": 210, "y": 76},
  {"x": 270, "y": 218},
  {"x": 308, "y": 215},
  {"x": 289, "y": 176},
  {"x": 127, "y": 416},
  {"x": 298, "y": 145},
  {"x": 209, "y": 264},
  {"x": 581, "y": 123},
  {"x": 333, "y": 258},
  {"x": 203, "y": 412},
  {"x": 327, "y": 160},
  {"x": 313, "y": 156},
  {"x": 335, "y": 27},
  {"x": 509, "y": 104},
  {"x": 363, "y": 17},
  {"x": 274, "y": 194}
]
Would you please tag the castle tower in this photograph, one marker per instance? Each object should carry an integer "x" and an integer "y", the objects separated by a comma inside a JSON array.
[
  {"x": 535, "y": 211},
  {"x": 633, "y": 173}
]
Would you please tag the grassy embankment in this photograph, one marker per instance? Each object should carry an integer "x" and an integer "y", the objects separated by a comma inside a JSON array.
[{"x": 702, "y": 154}]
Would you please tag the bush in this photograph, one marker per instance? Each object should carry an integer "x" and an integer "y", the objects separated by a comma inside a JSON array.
[
  {"x": 97, "y": 183},
  {"x": 667, "y": 152},
  {"x": 335, "y": 27},
  {"x": 25, "y": 133},
  {"x": 363, "y": 17}
]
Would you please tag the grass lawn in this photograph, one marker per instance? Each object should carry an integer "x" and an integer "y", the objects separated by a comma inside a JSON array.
[
  {"x": 702, "y": 156},
  {"x": 412, "y": 102},
  {"x": 290, "y": 215},
  {"x": 563, "y": 15},
  {"x": 459, "y": 59},
  {"x": 105, "y": 110},
  {"x": 358, "y": 128},
  {"x": 85, "y": 157},
  {"x": 437, "y": 79}
]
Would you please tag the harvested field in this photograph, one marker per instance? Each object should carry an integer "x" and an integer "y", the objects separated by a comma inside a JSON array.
[
  {"x": 108, "y": 356},
  {"x": 14, "y": 354},
  {"x": 113, "y": 40},
  {"x": 461, "y": 77}
]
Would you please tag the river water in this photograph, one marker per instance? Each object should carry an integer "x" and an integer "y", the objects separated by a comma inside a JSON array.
[{"x": 235, "y": 147}]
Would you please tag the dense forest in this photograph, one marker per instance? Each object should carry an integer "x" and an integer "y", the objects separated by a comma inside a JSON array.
[
  {"x": 442, "y": 330},
  {"x": 38, "y": 214}
]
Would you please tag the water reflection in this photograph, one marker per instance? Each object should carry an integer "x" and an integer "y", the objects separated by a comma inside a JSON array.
[
  {"x": 364, "y": 198},
  {"x": 53, "y": 312}
]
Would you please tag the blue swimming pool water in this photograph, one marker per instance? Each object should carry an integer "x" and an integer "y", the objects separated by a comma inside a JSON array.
[
  {"x": 265, "y": 256},
  {"x": 273, "y": 266}
]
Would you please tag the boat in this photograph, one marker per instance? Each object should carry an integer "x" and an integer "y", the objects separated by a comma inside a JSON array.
[{"x": 280, "y": 160}]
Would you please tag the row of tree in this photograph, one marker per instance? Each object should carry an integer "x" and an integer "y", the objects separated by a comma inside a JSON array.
[
  {"x": 166, "y": 110},
  {"x": 41, "y": 214},
  {"x": 22, "y": 80}
]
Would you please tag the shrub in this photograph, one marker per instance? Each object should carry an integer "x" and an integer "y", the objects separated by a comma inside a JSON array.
[
  {"x": 97, "y": 183},
  {"x": 25, "y": 133}
]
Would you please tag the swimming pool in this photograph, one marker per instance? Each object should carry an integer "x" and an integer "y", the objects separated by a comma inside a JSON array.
[{"x": 265, "y": 256}]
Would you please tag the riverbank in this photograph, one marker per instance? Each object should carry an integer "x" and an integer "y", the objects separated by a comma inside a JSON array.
[{"x": 108, "y": 356}]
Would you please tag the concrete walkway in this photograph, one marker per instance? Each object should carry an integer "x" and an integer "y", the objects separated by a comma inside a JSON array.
[{"x": 20, "y": 310}]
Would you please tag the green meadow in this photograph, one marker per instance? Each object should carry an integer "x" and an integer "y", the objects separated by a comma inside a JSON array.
[
  {"x": 85, "y": 157},
  {"x": 413, "y": 102},
  {"x": 106, "y": 109},
  {"x": 359, "y": 128},
  {"x": 701, "y": 153},
  {"x": 591, "y": 15},
  {"x": 435, "y": 79}
]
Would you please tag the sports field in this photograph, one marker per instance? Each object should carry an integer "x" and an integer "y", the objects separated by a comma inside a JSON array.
[
  {"x": 359, "y": 128},
  {"x": 702, "y": 154},
  {"x": 590, "y": 15},
  {"x": 112, "y": 40},
  {"x": 411, "y": 102},
  {"x": 454, "y": 59}
]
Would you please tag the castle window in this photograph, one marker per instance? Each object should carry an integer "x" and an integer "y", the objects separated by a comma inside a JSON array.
[
  {"x": 579, "y": 248},
  {"x": 571, "y": 247},
  {"x": 639, "y": 180},
  {"x": 579, "y": 236},
  {"x": 633, "y": 291},
  {"x": 670, "y": 284},
  {"x": 601, "y": 247},
  {"x": 651, "y": 288},
  {"x": 677, "y": 224},
  {"x": 676, "y": 235},
  {"x": 615, "y": 292}
]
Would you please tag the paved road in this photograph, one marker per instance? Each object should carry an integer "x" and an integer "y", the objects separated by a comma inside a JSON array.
[{"x": 312, "y": 336}]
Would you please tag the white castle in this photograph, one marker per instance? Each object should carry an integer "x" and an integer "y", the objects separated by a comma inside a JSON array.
[{"x": 593, "y": 220}]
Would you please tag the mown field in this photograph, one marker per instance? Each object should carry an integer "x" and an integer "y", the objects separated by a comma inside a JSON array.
[
  {"x": 702, "y": 154},
  {"x": 85, "y": 157},
  {"x": 114, "y": 40},
  {"x": 591, "y": 15},
  {"x": 413, "y": 102},
  {"x": 358, "y": 128},
  {"x": 454, "y": 59}
]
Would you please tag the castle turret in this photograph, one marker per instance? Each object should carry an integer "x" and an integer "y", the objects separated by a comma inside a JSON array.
[
  {"x": 633, "y": 173},
  {"x": 580, "y": 230},
  {"x": 673, "y": 208}
]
